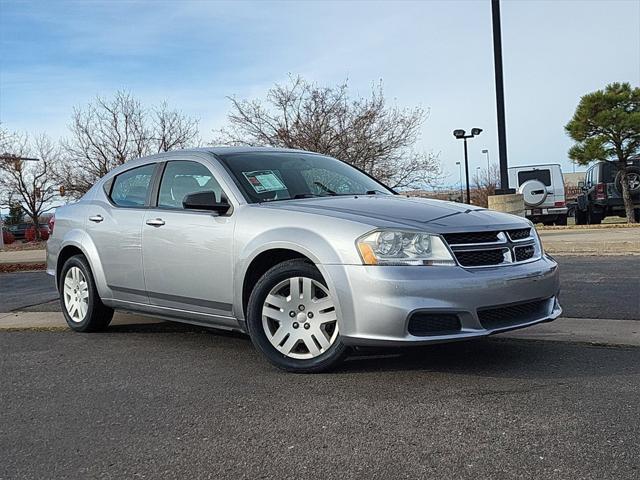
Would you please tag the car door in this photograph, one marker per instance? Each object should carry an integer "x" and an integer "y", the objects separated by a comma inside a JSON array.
[
  {"x": 187, "y": 254},
  {"x": 114, "y": 223}
]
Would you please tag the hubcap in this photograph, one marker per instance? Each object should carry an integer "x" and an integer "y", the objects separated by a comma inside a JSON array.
[
  {"x": 634, "y": 180},
  {"x": 76, "y": 294},
  {"x": 300, "y": 302}
]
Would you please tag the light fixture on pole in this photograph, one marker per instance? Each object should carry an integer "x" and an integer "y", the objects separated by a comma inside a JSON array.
[{"x": 461, "y": 135}]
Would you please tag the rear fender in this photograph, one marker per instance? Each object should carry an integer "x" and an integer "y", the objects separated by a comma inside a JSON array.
[{"x": 81, "y": 240}]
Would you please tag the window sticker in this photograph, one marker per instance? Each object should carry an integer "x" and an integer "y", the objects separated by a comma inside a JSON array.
[{"x": 264, "y": 181}]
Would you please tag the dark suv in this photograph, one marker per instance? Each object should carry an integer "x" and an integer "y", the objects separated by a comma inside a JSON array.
[{"x": 602, "y": 193}]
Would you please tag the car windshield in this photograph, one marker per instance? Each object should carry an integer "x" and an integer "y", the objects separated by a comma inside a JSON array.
[{"x": 272, "y": 176}]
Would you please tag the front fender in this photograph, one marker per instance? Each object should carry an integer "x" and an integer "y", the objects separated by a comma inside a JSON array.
[{"x": 308, "y": 243}]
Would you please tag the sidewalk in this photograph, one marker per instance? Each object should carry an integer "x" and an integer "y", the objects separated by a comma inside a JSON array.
[
  {"x": 23, "y": 256},
  {"x": 574, "y": 330},
  {"x": 592, "y": 241}
]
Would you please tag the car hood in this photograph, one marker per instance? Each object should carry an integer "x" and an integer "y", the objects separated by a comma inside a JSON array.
[{"x": 398, "y": 211}]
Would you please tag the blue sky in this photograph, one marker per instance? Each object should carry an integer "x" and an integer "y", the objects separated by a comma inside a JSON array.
[{"x": 436, "y": 54}]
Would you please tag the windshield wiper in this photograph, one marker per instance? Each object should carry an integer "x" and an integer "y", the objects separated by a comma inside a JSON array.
[
  {"x": 307, "y": 195},
  {"x": 325, "y": 188}
]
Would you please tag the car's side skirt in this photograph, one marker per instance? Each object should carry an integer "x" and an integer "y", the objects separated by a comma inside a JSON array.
[{"x": 176, "y": 315}]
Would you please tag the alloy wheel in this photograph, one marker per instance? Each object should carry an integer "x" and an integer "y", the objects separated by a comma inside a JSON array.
[
  {"x": 299, "y": 318},
  {"x": 76, "y": 294}
]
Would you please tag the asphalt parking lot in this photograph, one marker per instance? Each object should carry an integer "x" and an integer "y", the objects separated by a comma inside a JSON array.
[
  {"x": 167, "y": 401},
  {"x": 201, "y": 405}
]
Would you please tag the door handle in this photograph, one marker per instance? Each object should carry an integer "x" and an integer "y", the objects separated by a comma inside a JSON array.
[
  {"x": 156, "y": 222},
  {"x": 96, "y": 218}
]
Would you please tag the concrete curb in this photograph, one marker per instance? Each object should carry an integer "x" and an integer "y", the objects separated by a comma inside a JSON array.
[
  {"x": 592, "y": 248},
  {"x": 573, "y": 330},
  {"x": 583, "y": 330}
]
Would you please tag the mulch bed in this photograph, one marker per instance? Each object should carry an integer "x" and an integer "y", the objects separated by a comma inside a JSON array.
[{"x": 21, "y": 267}]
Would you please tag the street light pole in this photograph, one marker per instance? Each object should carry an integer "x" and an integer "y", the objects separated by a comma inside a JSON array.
[
  {"x": 466, "y": 171},
  {"x": 486, "y": 152},
  {"x": 461, "y": 135},
  {"x": 502, "y": 129},
  {"x": 460, "y": 182}
]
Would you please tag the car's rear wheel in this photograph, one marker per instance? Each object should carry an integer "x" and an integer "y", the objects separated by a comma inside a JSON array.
[
  {"x": 81, "y": 305},
  {"x": 561, "y": 220},
  {"x": 292, "y": 318}
]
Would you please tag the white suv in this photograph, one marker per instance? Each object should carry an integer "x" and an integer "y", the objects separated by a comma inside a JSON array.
[{"x": 542, "y": 187}]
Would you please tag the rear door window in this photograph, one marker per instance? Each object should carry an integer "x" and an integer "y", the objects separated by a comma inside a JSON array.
[
  {"x": 542, "y": 175},
  {"x": 130, "y": 188}
]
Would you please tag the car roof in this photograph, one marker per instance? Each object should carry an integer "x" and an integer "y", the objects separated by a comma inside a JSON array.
[
  {"x": 227, "y": 151},
  {"x": 158, "y": 157}
]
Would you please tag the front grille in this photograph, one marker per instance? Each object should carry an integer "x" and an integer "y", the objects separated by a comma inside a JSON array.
[
  {"x": 511, "y": 315},
  {"x": 478, "y": 258},
  {"x": 431, "y": 324},
  {"x": 519, "y": 234},
  {"x": 470, "y": 237},
  {"x": 522, "y": 254},
  {"x": 487, "y": 249}
]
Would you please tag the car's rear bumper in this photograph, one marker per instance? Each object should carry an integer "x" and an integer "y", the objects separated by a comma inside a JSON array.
[
  {"x": 546, "y": 211},
  {"x": 376, "y": 303}
]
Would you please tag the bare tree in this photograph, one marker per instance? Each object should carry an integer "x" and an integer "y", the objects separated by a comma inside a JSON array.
[
  {"x": 29, "y": 183},
  {"x": 485, "y": 181},
  {"x": 172, "y": 130},
  {"x": 364, "y": 132},
  {"x": 108, "y": 132}
]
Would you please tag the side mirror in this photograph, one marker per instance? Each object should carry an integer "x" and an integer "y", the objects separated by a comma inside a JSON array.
[{"x": 205, "y": 201}]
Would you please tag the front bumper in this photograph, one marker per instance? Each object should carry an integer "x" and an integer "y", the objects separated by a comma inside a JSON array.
[{"x": 376, "y": 302}]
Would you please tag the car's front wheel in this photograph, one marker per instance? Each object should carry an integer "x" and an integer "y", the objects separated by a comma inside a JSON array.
[
  {"x": 82, "y": 308},
  {"x": 292, "y": 318}
]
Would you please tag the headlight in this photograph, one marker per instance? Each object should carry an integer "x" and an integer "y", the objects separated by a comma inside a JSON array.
[
  {"x": 537, "y": 238},
  {"x": 396, "y": 247}
]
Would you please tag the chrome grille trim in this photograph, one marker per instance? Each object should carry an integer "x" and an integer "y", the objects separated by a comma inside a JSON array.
[{"x": 483, "y": 254}]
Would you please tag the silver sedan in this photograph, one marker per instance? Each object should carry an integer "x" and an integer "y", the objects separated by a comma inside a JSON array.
[{"x": 303, "y": 252}]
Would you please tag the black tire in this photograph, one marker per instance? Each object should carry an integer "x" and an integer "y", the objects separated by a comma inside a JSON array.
[
  {"x": 581, "y": 217},
  {"x": 98, "y": 315},
  {"x": 561, "y": 220},
  {"x": 593, "y": 217},
  {"x": 548, "y": 224},
  {"x": 288, "y": 269},
  {"x": 636, "y": 215}
]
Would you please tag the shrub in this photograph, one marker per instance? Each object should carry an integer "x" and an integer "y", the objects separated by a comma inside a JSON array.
[
  {"x": 8, "y": 237},
  {"x": 30, "y": 234}
]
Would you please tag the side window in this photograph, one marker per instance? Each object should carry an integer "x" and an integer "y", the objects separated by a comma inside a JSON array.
[
  {"x": 130, "y": 188},
  {"x": 181, "y": 178}
]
